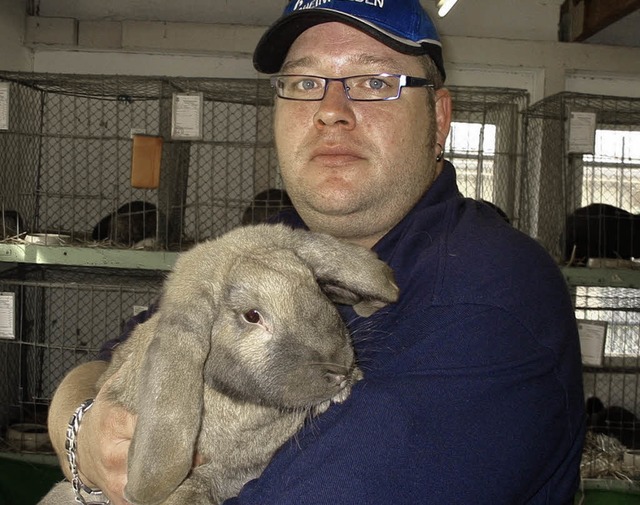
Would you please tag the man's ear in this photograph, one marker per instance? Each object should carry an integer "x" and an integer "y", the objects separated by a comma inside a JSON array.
[{"x": 443, "y": 115}]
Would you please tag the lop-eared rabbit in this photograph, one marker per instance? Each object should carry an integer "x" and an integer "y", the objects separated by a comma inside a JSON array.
[{"x": 245, "y": 345}]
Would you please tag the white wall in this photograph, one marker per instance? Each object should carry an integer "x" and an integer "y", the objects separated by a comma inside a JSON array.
[
  {"x": 13, "y": 54},
  {"x": 129, "y": 63},
  {"x": 527, "y": 19},
  {"x": 481, "y": 49},
  {"x": 543, "y": 67},
  {"x": 501, "y": 19}
]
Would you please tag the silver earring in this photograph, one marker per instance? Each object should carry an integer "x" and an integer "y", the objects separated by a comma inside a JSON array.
[{"x": 441, "y": 155}]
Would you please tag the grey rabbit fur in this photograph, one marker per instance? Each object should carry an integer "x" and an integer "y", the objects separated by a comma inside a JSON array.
[{"x": 247, "y": 340}]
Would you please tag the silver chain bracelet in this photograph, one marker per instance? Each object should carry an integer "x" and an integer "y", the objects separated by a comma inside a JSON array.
[{"x": 71, "y": 446}]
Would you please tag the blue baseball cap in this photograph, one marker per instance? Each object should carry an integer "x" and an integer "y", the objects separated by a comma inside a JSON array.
[{"x": 403, "y": 25}]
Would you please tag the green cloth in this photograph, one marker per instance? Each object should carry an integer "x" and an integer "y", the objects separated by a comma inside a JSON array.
[{"x": 24, "y": 482}]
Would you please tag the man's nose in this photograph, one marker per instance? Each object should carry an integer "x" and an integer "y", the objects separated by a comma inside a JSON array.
[{"x": 335, "y": 108}]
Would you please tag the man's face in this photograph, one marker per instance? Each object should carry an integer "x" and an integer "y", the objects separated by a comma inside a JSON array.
[{"x": 354, "y": 169}]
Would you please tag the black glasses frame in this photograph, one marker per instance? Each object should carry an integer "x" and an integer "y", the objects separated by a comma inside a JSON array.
[{"x": 406, "y": 81}]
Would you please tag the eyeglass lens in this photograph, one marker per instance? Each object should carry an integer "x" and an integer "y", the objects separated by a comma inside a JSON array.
[{"x": 360, "y": 87}]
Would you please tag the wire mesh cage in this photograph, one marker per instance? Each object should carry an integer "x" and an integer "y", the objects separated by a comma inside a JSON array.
[
  {"x": 583, "y": 177},
  {"x": 486, "y": 145},
  {"x": 581, "y": 201},
  {"x": 612, "y": 390},
  {"x": 54, "y": 318},
  {"x": 68, "y": 158}
]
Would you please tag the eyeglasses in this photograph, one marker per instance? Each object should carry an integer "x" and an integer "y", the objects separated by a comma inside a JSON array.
[{"x": 362, "y": 88}]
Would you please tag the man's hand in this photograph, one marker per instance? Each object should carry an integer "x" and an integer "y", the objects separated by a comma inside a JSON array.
[
  {"x": 103, "y": 443},
  {"x": 104, "y": 435}
]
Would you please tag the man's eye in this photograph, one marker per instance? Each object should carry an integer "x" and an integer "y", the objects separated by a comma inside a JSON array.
[
  {"x": 376, "y": 83},
  {"x": 307, "y": 84}
]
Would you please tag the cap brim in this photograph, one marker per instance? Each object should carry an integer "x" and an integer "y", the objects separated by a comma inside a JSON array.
[{"x": 274, "y": 44}]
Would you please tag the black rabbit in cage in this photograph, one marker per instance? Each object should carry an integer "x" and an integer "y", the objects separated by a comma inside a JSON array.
[
  {"x": 601, "y": 231},
  {"x": 132, "y": 223},
  {"x": 614, "y": 421}
]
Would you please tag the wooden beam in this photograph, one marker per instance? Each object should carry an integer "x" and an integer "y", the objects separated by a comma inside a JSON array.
[{"x": 581, "y": 19}]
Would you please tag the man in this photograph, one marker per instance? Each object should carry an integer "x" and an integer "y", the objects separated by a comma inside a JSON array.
[{"x": 472, "y": 391}]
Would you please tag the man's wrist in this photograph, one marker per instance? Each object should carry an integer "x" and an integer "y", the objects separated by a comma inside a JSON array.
[{"x": 80, "y": 487}]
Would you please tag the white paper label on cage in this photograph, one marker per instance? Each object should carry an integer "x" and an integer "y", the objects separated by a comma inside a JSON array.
[
  {"x": 186, "y": 116},
  {"x": 582, "y": 132},
  {"x": 4, "y": 105},
  {"x": 592, "y": 337},
  {"x": 7, "y": 315}
]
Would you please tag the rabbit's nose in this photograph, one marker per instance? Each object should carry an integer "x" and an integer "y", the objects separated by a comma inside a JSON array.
[{"x": 335, "y": 377}]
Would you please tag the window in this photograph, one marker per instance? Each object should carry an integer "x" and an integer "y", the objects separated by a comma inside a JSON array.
[
  {"x": 620, "y": 308},
  {"x": 471, "y": 149},
  {"x": 612, "y": 174}
]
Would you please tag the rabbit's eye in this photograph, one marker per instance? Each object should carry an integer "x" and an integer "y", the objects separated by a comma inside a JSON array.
[{"x": 252, "y": 316}]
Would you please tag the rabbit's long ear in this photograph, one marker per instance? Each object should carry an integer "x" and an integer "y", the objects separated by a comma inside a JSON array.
[
  {"x": 170, "y": 399},
  {"x": 347, "y": 273}
]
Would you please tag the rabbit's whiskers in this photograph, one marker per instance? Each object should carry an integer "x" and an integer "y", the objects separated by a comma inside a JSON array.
[{"x": 329, "y": 364}]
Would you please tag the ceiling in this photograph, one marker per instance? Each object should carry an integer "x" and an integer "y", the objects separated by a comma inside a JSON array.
[{"x": 609, "y": 22}]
